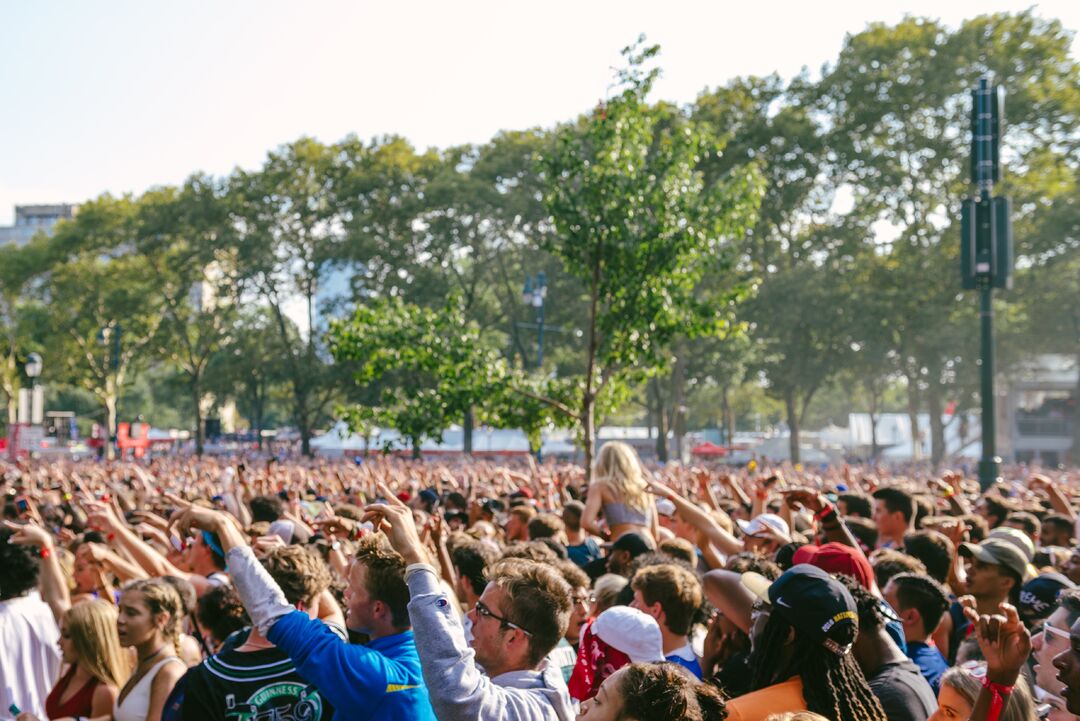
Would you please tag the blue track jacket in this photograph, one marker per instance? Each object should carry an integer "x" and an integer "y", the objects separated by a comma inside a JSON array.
[{"x": 381, "y": 680}]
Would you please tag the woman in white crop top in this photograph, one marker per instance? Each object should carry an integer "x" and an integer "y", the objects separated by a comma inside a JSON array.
[{"x": 149, "y": 620}]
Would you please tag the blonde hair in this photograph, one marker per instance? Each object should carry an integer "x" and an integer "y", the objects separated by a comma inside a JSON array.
[
  {"x": 92, "y": 629},
  {"x": 618, "y": 468},
  {"x": 966, "y": 679},
  {"x": 162, "y": 597}
]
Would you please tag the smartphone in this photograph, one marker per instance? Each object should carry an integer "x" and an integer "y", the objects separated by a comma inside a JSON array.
[
  {"x": 313, "y": 508},
  {"x": 22, "y": 505}
]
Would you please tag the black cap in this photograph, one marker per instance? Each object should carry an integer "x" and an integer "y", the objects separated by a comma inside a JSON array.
[
  {"x": 1038, "y": 597},
  {"x": 813, "y": 602},
  {"x": 492, "y": 505},
  {"x": 631, "y": 541}
]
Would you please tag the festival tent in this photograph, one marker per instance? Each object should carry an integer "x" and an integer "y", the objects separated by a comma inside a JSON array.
[{"x": 709, "y": 449}]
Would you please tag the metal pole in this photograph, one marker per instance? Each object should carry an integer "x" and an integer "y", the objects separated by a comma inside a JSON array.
[
  {"x": 990, "y": 465},
  {"x": 540, "y": 340}
]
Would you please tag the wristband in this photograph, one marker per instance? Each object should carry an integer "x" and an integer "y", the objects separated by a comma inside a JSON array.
[
  {"x": 45, "y": 551},
  {"x": 1001, "y": 695},
  {"x": 828, "y": 510},
  {"x": 949, "y": 492}
]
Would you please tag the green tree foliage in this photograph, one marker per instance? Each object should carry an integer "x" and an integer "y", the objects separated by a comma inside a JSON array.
[
  {"x": 104, "y": 305},
  {"x": 431, "y": 362},
  {"x": 288, "y": 234},
  {"x": 184, "y": 235},
  {"x": 636, "y": 224}
]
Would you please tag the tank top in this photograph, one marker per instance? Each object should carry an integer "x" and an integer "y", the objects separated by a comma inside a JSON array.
[
  {"x": 80, "y": 704},
  {"x": 619, "y": 513},
  {"x": 136, "y": 705}
]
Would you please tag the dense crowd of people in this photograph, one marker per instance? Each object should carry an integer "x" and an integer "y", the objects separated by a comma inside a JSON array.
[{"x": 243, "y": 589}]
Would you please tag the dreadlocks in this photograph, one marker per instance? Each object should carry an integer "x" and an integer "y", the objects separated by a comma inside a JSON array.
[{"x": 833, "y": 685}]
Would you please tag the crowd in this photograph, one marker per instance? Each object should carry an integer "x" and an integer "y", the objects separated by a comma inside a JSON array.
[{"x": 303, "y": 590}]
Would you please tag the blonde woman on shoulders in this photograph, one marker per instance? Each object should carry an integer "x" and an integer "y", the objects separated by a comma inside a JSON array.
[{"x": 620, "y": 493}]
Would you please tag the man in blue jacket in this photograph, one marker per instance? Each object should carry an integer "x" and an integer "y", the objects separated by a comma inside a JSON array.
[{"x": 381, "y": 680}]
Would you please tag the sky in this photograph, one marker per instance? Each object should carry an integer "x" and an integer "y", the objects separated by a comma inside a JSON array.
[{"x": 112, "y": 96}]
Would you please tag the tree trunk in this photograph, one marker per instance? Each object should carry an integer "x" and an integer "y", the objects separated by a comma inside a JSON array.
[
  {"x": 588, "y": 440},
  {"x": 729, "y": 417},
  {"x": 200, "y": 432},
  {"x": 467, "y": 431},
  {"x": 303, "y": 422},
  {"x": 416, "y": 449},
  {"x": 258, "y": 410},
  {"x": 937, "y": 430},
  {"x": 913, "y": 417},
  {"x": 1075, "y": 451},
  {"x": 873, "y": 422},
  {"x": 793, "y": 425},
  {"x": 678, "y": 417},
  {"x": 661, "y": 422}
]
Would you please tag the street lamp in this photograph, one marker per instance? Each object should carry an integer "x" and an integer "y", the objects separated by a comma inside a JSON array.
[
  {"x": 113, "y": 332},
  {"x": 33, "y": 366},
  {"x": 33, "y": 369},
  {"x": 534, "y": 293}
]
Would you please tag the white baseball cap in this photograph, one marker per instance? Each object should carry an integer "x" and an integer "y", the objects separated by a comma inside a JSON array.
[
  {"x": 665, "y": 507},
  {"x": 766, "y": 521},
  {"x": 631, "y": 631}
]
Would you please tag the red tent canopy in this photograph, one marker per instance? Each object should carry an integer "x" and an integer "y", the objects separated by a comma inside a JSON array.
[{"x": 709, "y": 449}]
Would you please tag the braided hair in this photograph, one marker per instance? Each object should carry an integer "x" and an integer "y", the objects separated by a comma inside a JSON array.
[{"x": 833, "y": 685}]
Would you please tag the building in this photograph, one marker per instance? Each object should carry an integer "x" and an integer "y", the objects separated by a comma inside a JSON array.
[
  {"x": 29, "y": 219},
  {"x": 1040, "y": 410}
]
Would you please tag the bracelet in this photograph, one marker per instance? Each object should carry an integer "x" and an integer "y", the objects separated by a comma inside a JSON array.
[
  {"x": 45, "y": 551},
  {"x": 997, "y": 702}
]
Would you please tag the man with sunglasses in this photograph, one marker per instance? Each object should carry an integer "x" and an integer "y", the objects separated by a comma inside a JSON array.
[
  {"x": 1053, "y": 638},
  {"x": 518, "y": 620}
]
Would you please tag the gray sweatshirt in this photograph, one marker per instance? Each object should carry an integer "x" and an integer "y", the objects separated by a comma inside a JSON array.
[{"x": 458, "y": 689}]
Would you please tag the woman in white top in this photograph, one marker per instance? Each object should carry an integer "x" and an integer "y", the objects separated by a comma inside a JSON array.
[{"x": 149, "y": 620}]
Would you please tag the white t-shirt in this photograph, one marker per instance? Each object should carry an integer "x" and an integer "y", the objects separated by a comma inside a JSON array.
[{"x": 29, "y": 654}]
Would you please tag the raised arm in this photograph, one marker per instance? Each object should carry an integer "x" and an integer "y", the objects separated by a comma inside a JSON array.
[
  {"x": 699, "y": 519},
  {"x": 54, "y": 589},
  {"x": 593, "y": 503},
  {"x": 1006, "y": 645}
]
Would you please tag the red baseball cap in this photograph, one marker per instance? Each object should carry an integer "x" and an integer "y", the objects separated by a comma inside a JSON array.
[{"x": 838, "y": 558}]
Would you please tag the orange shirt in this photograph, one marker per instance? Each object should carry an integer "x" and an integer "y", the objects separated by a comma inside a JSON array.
[{"x": 759, "y": 705}]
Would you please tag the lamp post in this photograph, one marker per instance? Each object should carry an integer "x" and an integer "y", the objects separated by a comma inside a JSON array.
[
  {"x": 34, "y": 366},
  {"x": 534, "y": 293},
  {"x": 113, "y": 332},
  {"x": 986, "y": 250}
]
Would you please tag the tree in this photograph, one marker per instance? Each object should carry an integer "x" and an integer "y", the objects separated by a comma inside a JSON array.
[
  {"x": 250, "y": 366},
  {"x": 104, "y": 309},
  {"x": 432, "y": 364},
  {"x": 798, "y": 252},
  {"x": 636, "y": 224},
  {"x": 464, "y": 222},
  {"x": 898, "y": 103},
  {"x": 184, "y": 235},
  {"x": 20, "y": 316},
  {"x": 288, "y": 225}
]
